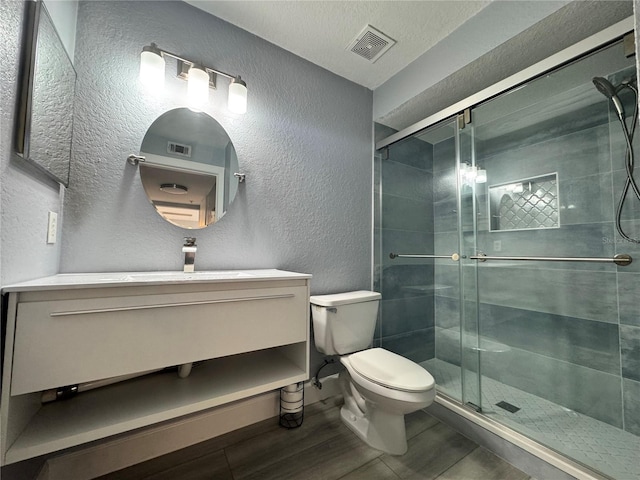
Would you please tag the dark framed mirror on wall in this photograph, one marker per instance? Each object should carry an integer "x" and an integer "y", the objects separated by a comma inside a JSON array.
[{"x": 44, "y": 123}]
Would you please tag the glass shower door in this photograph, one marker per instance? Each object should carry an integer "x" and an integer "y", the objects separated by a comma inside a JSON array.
[
  {"x": 417, "y": 270},
  {"x": 543, "y": 179}
]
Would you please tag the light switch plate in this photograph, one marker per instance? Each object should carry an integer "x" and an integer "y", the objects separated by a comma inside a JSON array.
[{"x": 52, "y": 230}]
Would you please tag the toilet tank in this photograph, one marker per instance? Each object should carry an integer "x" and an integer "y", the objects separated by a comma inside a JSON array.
[{"x": 344, "y": 322}]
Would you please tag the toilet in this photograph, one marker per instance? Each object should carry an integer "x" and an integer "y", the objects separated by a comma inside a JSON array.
[{"x": 379, "y": 387}]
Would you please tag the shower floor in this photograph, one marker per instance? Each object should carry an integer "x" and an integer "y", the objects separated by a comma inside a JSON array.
[{"x": 603, "y": 447}]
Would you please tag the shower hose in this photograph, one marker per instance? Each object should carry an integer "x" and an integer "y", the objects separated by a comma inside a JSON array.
[{"x": 629, "y": 160}]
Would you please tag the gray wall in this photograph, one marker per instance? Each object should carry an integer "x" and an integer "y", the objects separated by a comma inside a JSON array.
[
  {"x": 27, "y": 195},
  {"x": 304, "y": 144}
]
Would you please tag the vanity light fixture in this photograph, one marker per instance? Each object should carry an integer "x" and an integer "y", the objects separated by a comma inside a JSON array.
[
  {"x": 152, "y": 67},
  {"x": 199, "y": 78}
]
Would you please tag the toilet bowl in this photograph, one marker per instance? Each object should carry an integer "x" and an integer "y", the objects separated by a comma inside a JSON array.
[{"x": 379, "y": 387}]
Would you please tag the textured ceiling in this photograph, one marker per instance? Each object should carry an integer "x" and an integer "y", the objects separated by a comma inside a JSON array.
[{"x": 320, "y": 31}]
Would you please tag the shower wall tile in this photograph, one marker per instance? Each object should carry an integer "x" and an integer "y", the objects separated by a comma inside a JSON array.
[
  {"x": 631, "y": 406},
  {"x": 377, "y": 253},
  {"x": 447, "y": 345},
  {"x": 593, "y": 393},
  {"x": 448, "y": 281},
  {"x": 445, "y": 202},
  {"x": 582, "y": 240},
  {"x": 447, "y": 312},
  {"x": 445, "y": 244},
  {"x": 445, "y": 183},
  {"x": 629, "y": 297},
  {"x": 402, "y": 213},
  {"x": 563, "y": 127},
  {"x": 583, "y": 342},
  {"x": 630, "y": 352},
  {"x": 406, "y": 281},
  {"x": 445, "y": 216},
  {"x": 406, "y": 181},
  {"x": 406, "y": 315},
  {"x": 412, "y": 152},
  {"x": 585, "y": 199},
  {"x": 417, "y": 346},
  {"x": 583, "y": 294},
  {"x": 444, "y": 154},
  {"x": 632, "y": 229},
  {"x": 576, "y": 155}
]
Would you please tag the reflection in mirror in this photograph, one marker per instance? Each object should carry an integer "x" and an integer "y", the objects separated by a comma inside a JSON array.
[
  {"x": 45, "y": 114},
  {"x": 188, "y": 169}
]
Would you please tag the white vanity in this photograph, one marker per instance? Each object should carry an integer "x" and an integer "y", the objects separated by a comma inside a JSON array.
[{"x": 246, "y": 331}]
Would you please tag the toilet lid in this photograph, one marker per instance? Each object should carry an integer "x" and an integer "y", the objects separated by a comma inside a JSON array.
[{"x": 390, "y": 370}]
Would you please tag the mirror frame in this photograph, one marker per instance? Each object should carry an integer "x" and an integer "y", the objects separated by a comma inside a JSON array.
[{"x": 35, "y": 10}]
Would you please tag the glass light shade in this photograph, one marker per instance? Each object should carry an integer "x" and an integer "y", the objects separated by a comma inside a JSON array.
[
  {"x": 152, "y": 70},
  {"x": 197, "y": 86},
  {"x": 481, "y": 176},
  {"x": 237, "y": 102}
]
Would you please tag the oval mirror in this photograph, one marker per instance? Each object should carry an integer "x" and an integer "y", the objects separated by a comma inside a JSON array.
[{"x": 188, "y": 168}]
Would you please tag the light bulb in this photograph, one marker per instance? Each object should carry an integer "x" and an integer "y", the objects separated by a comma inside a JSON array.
[
  {"x": 237, "y": 102},
  {"x": 152, "y": 68},
  {"x": 197, "y": 86}
]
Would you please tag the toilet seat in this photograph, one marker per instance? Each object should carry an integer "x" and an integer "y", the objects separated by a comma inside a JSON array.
[{"x": 392, "y": 371}]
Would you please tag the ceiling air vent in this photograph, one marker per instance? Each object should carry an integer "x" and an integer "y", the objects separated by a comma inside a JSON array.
[
  {"x": 371, "y": 44},
  {"x": 179, "y": 149}
]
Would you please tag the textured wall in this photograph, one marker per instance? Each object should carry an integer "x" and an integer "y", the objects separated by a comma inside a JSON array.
[
  {"x": 456, "y": 50},
  {"x": 570, "y": 24},
  {"x": 27, "y": 196},
  {"x": 305, "y": 145}
]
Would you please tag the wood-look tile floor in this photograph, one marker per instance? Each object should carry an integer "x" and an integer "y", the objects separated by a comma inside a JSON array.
[{"x": 324, "y": 449}]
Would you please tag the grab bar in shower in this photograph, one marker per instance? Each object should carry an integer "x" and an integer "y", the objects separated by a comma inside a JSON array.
[
  {"x": 622, "y": 259},
  {"x": 454, "y": 256}
]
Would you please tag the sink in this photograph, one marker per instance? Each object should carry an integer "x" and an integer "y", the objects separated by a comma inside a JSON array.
[
  {"x": 72, "y": 278},
  {"x": 182, "y": 276}
]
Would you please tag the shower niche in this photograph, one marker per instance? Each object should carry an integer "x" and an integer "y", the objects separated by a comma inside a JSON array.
[{"x": 530, "y": 203}]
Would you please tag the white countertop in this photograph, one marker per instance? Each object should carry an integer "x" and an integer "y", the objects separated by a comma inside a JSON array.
[{"x": 119, "y": 279}]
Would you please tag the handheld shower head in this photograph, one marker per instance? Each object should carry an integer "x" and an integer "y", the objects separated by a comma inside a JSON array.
[{"x": 604, "y": 86}]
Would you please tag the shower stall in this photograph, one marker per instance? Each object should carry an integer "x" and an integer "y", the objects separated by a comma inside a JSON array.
[{"x": 506, "y": 251}]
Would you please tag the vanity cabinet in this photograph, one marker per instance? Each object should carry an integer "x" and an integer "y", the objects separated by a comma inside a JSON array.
[{"x": 245, "y": 332}]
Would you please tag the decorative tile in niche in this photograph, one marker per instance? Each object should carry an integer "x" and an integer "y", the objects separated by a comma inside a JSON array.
[{"x": 530, "y": 203}]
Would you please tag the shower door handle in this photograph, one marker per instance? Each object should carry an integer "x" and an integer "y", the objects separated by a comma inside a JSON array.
[{"x": 454, "y": 256}]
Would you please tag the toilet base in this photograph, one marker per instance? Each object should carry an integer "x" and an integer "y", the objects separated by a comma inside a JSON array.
[{"x": 381, "y": 430}]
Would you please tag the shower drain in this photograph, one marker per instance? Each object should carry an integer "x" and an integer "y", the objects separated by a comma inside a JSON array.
[{"x": 507, "y": 406}]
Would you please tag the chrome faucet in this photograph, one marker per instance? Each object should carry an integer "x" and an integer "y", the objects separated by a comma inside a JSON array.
[{"x": 189, "y": 249}]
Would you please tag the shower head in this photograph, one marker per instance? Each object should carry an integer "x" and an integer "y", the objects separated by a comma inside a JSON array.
[{"x": 604, "y": 86}]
